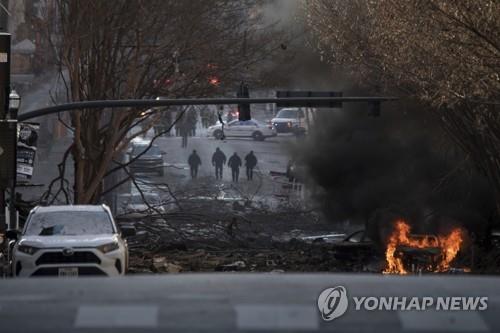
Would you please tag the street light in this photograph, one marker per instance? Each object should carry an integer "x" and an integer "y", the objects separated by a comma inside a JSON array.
[{"x": 14, "y": 103}]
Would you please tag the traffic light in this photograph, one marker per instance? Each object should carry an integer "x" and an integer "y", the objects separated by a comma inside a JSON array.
[
  {"x": 243, "y": 108},
  {"x": 299, "y": 94}
]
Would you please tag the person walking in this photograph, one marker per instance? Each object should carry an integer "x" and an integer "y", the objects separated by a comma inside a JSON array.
[
  {"x": 234, "y": 163},
  {"x": 218, "y": 160},
  {"x": 192, "y": 120},
  {"x": 194, "y": 162},
  {"x": 178, "y": 129},
  {"x": 184, "y": 130},
  {"x": 204, "y": 117},
  {"x": 250, "y": 163}
]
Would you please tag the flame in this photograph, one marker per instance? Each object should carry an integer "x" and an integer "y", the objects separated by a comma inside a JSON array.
[{"x": 448, "y": 245}]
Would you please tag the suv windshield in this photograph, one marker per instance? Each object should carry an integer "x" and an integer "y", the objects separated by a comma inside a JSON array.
[
  {"x": 69, "y": 223},
  {"x": 287, "y": 114}
]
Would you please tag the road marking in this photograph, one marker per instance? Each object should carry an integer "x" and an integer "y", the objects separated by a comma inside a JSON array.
[
  {"x": 443, "y": 321},
  {"x": 99, "y": 316},
  {"x": 197, "y": 297},
  {"x": 278, "y": 317}
]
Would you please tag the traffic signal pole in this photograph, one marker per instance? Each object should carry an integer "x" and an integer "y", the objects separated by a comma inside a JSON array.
[{"x": 140, "y": 103}]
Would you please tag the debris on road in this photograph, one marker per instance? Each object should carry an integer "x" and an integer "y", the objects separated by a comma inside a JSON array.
[{"x": 204, "y": 237}]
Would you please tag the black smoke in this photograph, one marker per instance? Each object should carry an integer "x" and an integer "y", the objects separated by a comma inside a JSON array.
[
  {"x": 398, "y": 164},
  {"x": 375, "y": 170}
]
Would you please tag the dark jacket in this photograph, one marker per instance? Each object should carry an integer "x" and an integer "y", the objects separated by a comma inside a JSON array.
[
  {"x": 194, "y": 160},
  {"x": 234, "y": 162},
  {"x": 218, "y": 158},
  {"x": 250, "y": 161}
]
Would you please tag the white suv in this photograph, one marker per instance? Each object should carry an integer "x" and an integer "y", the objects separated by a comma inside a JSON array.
[
  {"x": 70, "y": 241},
  {"x": 288, "y": 120}
]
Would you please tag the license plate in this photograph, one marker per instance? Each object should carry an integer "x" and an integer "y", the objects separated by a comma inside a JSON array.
[{"x": 68, "y": 272}]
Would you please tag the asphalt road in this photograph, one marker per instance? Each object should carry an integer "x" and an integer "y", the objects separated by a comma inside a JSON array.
[
  {"x": 272, "y": 154},
  {"x": 235, "y": 302}
]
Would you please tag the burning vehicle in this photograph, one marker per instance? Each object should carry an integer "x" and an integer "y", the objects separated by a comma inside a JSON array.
[{"x": 408, "y": 253}]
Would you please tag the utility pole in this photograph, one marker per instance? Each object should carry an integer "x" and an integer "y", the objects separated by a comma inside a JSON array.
[{"x": 8, "y": 127}]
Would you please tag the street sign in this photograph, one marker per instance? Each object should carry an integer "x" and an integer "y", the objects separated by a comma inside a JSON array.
[
  {"x": 317, "y": 104},
  {"x": 26, "y": 150},
  {"x": 7, "y": 147}
]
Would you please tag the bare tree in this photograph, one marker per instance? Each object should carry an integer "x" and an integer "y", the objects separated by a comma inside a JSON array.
[
  {"x": 446, "y": 53},
  {"x": 142, "y": 49}
]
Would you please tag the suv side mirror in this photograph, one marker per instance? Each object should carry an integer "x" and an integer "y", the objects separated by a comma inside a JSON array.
[
  {"x": 127, "y": 231},
  {"x": 12, "y": 234}
]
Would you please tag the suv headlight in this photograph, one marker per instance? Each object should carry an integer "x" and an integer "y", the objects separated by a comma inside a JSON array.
[
  {"x": 105, "y": 248},
  {"x": 31, "y": 250}
]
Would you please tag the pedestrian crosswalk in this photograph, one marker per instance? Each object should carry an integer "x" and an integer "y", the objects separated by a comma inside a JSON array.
[
  {"x": 217, "y": 314},
  {"x": 261, "y": 317},
  {"x": 231, "y": 303}
]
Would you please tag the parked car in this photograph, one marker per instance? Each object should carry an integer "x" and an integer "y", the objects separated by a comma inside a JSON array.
[
  {"x": 247, "y": 128},
  {"x": 356, "y": 245},
  {"x": 149, "y": 162},
  {"x": 141, "y": 205},
  {"x": 289, "y": 120},
  {"x": 70, "y": 241}
]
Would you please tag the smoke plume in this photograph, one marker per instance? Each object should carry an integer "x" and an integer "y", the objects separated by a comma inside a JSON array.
[{"x": 399, "y": 163}]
